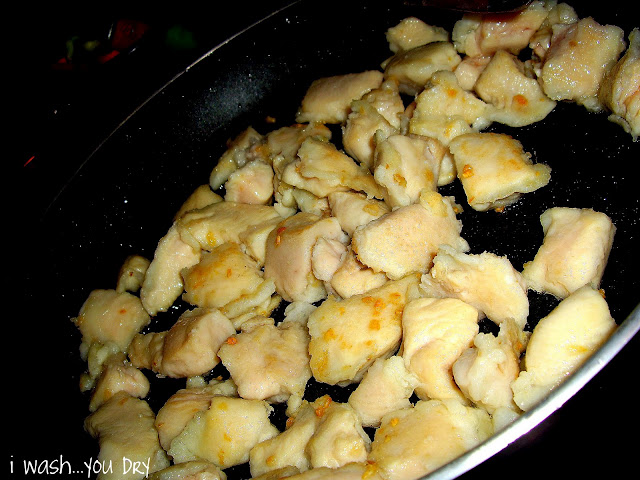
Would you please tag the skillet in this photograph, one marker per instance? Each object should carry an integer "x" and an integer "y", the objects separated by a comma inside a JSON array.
[{"x": 123, "y": 194}]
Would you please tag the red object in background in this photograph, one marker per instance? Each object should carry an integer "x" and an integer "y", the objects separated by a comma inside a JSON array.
[{"x": 126, "y": 33}]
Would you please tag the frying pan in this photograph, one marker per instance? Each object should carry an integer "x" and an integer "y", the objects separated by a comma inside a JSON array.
[{"x": 122, "y": 192}]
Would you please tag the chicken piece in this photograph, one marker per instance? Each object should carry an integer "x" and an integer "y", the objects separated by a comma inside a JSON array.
[
  {"x": 405, "y": 240},
  {"x": 560, "y": 15},
  {"x": 385, "y": 387},
  {"x": 341, "y": 351},
  {"x": 326, "y": 257},
  {"x": 413, "y": 442},
  {"x": 486, "y": 281},
  {"x": 435, "y": 332},
  {"x": 288, "y": 260},
  {"x": 620, "y": 89},
  {"x": 200, "y": 198},
  {"x": 413, "y": 69},
  {"x": 240, "y": 150},
  {"x": 196, "y": 470},
  {"x": 412, "y": 32},
  {"x": 476, "y": 34},
  {"x": 353, "y": 209},
  {"x": 579, "y": 57},
  {"x": 254, "y": 239},
  {"x": 310, "y": 203},
  {"x": 321, "y": 169},
  {"x": 225, "y": 433},
  {"x": 574, "y": 252},
  {"x": 251, "y": 183},
  {"x": 278, "y": 474},
  {"x": 263, "y": 303},
  {"x": 561, "y": 342},
  {"x": 188, "y": 348},
  {"x": 363, "y": 127},
  {"x": 350, "y": 471},
  {"x": 162, "y": 283},
  {"x": 118, "y": 376},
  {"x": 98, "y": 356},
  {"x": 110, "y": 317},
  {"x": 388, "y": 102},
  {"x": 328, "y": 99},
  {"x": 132, "y": 273},
  {"x": 517, "y": 97},
  {"x": 485, "y": 371},
  {"x": 353, "y": 278},
  {"x": 469, "y": 69},
  {"x": 405, "y": 165},
  {"x": 124, "y": 428},
  {"x": 495, "y": 170},
  {"x": 269, "y": 362}
]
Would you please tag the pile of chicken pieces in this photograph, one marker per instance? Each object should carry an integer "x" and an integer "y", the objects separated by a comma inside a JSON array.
[{"x": 366, "y": 259}]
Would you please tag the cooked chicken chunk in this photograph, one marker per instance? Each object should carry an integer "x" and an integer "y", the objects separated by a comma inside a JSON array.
[
  {"x": 435, "y": 332},
  {"x": 118, "y": 376},
  {"x": 561, "y": 342},
  {"x": 385, "y": 387},
  {"x": 98, "y": 356},
  {"x": 200, "y": 198},
  {"x": 495, "y": 170},
  {"x": 579, "y": 57},
  {"x": 269, "y": 362},
  {"x": 341, "y": 351},
  {"x": 353, "y": 278},
  {"x": 110, "y": 317},
  {"x": 124, "y": 428},
  {"x": 240, "y": 150},
  {"x": 132, "y": 273},
  {"x": 328, "y": 99},
  {"x": 517, "y": 97},
  {"x": 561, "y": 14},
  {"x": 412, "y": 69},
  {"x": 469, "y": 69},
  {"x": 575, "y": 250},
  {"x": 388, "y": 102},
  {"x": 254, "y": 239},
  {"x": 350, "y": 471},
  {"x": 196, "y": 470},
  {"x": 251, "y": 183},
  {"x": 225, "y": 433},
  {"x": 326, "y": 257},
  {"x": 188, "y": 348},
  {"x": 413, "y": 442},
  {"x": 353, "y": 209},
  {"x": 405, "y": 240},
  {"x": 486, "y": 281},
  {"x": 412, "y": 32}
]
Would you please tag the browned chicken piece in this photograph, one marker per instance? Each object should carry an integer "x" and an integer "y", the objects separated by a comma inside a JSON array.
[
  {"x": 201, "y": 197},
  {"x": 241, "y": 150},
  {"x": 413, "y": 32},
  {"x": 388, "y": 102},
  {"x": 353, "y": 209},
  {"x": 251, "y": 183},
  {"x": 350, "y": 471},
  {"x": 353, "y": 278},
  {"x": 118, "y": 376},
  {"x": 131, "y": 274}
]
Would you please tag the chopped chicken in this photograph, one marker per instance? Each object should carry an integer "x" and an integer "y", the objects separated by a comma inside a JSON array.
[
  {"x": 388, "y": 102},
  {"x": 132, "y": 273},
  {"x": 225, "y": 433},
  {"x": 486, "y": 281},
  {"x": 310, "y": 203},
  {"x": 110, "y": 317},
  {"x": 412, "y": 69},
  {"x": 326, "y": 257},
  {"x": 278, "y": 473},
  {"x": 578, "y": 58},
  {"x": 254, "y": 239},
  {"x": 195, "y": 470},
  {"x": 288, "y": 260},
  {"x": 405, "y": 240},
  {"x": 469, "y": 69},
  {"x": 495, "y": 170},
  {"x": 353, "y": 278},
  {"x": 477, "y": 34},
  {"x": 353, "y": 209},
  {"x": 517, "y": 97},
  {"x": 412, "y": 32},
  {"x": 200, "y": 198},
  {"x": 268, "y": 362},
  {"x": 251, "y": 183},
  {"x": 574, "y": 252},
  {"x": 413, "y": 442},
  {"x": 162, "y": 283},
  {"x": 341, "y": 351},
  {"x": 262, "y": 303},
  {"x": 124, "y": 428},
  {"x": 350, "y": 471},
  {"x": 98, "y": 356},
  {"x": 328, "y": 99},
  {"x": 561, "y": 342},
  {"x": 485, "y": 371},
  {"x": 187, "y": 349},
  {"x": 620, "y": 90},
  {"x": 405, "y": 165},
  {"x": 561, "y": 14},
  {"x": 240, "y": 151},
  {"x": 435, "y": 332},
  {"x": 118, "y": 376},
  {"x": 385, "y": 387}
]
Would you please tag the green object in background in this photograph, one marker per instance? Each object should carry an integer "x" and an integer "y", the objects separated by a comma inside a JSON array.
[{"x": 179, "y": 38}]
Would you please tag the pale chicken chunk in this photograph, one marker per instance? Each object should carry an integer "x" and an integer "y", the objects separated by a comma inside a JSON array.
[
  {"x": 413, "y": 442},
  {"x": 188, "y": 348},
  {"x": 353, "y": 209},
  {"x": 328, "y": 99},
  {"x": 132, "y": 273},
  {"x": 353, "y": 278},
  {"x": 579, "y": 57},
  {"x": 196, "y": 470},
  {"x": 517, "y": 96},
  {"x": 435, "y": 332},
  {"x": 162, "y": 283},
  {"x": 405, "y": 240},
  {"x": 560, "y": 15},
  {"x": 240, "y": 150},
  {"x": 254, "y": 239},
  {"x": 110, "y": 317},
  {"x": 405, "y": 165},
  {"x": 413, "y": 69},
  {"x": 348, "y": 335},
  {"x": 288, "y": 260},
  {"x": 412, "y": 32},
  {"x": 561, "y": 342},
  {"x": 268, "y": 362},
  {"x": 495, "y": 170},
  {"x": 251, "y": 183},
  {"x": 574, "y": 252},
  {"x": 486, "y": 281},
  {"x": 225, "y": 433},
  {"x": 388, "y": 102},
  {"x": 199, "y": 198},
  {"x": 326, "y": 257},
  {"x": 469, "y": 69},
  {"x": 350, "y": 471},
  {"x": 124, "y": 428},
  {"x": 98, "y": 356},
  {"x": 118, "y": 376},
  {"x": 387, "y": 386}
]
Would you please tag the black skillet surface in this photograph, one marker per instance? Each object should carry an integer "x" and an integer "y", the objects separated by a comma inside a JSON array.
[{"x": 122, "y": 199}]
